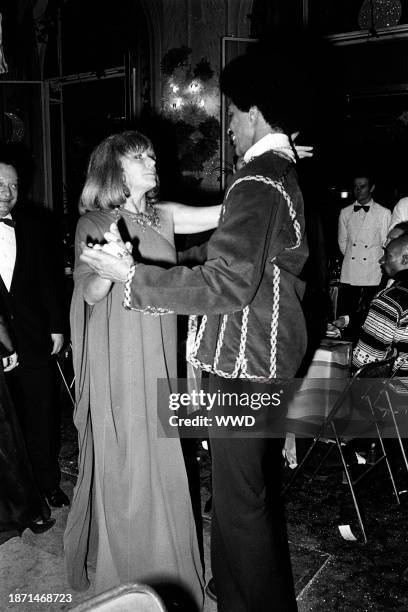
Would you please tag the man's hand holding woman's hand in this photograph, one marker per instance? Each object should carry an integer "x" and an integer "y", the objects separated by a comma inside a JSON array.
[{"x": 111, "y": 260}]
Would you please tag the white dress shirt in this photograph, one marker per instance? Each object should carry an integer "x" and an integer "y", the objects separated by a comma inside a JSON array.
[
  {"x": 361, "y": 238},
  {"x": 7, "y": 252}
]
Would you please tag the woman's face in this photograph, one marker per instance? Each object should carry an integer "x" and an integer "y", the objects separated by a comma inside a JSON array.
[{"x": 139, "y": 171}]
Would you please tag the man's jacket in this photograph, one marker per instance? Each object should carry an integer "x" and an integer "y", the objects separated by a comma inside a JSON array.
[{"x": 248, "y": 290}]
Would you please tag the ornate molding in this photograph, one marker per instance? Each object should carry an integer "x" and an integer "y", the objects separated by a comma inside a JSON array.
[{"x": 359, "y": 37}]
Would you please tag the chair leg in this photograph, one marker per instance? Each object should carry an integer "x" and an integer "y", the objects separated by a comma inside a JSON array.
[
  {"x": 321, "y": 462},
  {"x": 64, "y": 380},
  {"x": 386, "y": 458},
  {"x": 397, "y": 431},
  {"x": 350, "y": 483},
  {"x": 300, "y": 466}
]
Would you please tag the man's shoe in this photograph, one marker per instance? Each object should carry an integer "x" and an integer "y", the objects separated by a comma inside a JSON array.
[
  {"x": 210, "y": 589},
  {"x": 41, "y": 525},
  {"x": 57, "y": 498}
]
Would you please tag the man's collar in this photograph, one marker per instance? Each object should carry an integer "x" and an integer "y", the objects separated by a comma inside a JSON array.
[{"x": 275, "y": 141}]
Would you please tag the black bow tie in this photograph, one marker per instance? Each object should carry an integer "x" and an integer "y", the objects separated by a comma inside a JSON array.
[
  {"x": 365, "y": 208},
  {"x": 9, "y": 222}
]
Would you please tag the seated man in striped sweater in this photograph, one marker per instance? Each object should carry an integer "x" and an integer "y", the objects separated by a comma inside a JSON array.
[{"x": 386, "y": 324}]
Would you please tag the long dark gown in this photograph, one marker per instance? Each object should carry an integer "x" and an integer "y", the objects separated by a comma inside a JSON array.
[
  {"x": 131, "y": 515},
  {"x": 21, "y": 502}
]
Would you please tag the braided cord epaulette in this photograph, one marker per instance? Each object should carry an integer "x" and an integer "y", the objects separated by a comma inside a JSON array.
[
  {"x": 155, "y": 311},
  {"x": 278, "y": 185}
]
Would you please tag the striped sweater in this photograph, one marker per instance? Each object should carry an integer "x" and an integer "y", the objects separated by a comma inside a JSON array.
[{"x": 386, "y": 325}]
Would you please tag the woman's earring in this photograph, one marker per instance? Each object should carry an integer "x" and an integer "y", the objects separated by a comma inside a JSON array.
[{"x": 126, "y": 191}]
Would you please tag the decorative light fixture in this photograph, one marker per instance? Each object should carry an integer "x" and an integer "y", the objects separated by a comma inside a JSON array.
[
  {"x": 195, "y": 86},
  {"x": 375, "y": 14},
  {"x": 178, "y": 102}
]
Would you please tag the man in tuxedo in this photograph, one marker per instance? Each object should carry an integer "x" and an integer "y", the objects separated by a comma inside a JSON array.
[
  {"x": 29, "y": 285},
  {"x": 362, "y": 232}
]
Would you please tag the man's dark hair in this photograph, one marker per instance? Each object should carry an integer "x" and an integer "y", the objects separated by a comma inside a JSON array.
[
  {"x": 269, "y": 83},
  {"x": 364, "y": 173},
  {"x": 403, "y": 226}
]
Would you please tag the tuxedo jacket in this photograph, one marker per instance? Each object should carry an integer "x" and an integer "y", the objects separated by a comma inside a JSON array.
[
  {"x": 6, "y": 345},
  {"x": 34, "y": 305}
]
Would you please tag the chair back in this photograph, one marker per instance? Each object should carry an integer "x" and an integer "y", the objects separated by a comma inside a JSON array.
[
  {"x": 125, "y": 598},
  {"x": 378, "y": 369},
  {"x": 372, "y": 378},
  {"x": 364, "y": 386}
]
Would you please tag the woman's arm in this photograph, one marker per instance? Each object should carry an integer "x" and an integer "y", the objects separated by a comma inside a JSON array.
[
  {"x": 192, "y": 219},
  {"x": 95, "y": 289}
]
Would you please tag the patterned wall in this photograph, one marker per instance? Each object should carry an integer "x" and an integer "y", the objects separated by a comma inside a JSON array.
[
  {"x": 207, "y": 28},
  {"x": 175, "y": 24},
  {"x": 200, "y": 24}
]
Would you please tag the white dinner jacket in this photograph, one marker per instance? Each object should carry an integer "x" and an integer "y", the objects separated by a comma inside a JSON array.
[{"x": 361, "y": 237}]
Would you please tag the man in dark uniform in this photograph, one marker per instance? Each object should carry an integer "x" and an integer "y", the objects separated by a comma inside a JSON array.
[
  {"x": 29, "y": 285},
  {"x": 252, "y": 329}
]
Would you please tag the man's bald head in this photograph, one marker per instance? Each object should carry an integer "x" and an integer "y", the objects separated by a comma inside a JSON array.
[{"x": 395, "y": 256}]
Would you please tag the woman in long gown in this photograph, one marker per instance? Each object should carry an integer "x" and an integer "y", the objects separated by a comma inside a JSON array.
[
  {"x": 131, "y": 516},
  {"x": 21, "y": 503}
]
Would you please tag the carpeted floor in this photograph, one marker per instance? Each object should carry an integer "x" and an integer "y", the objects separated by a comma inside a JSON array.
[
  {"x": 330, "y": 573},
  {"x": 357, "y": 576}
]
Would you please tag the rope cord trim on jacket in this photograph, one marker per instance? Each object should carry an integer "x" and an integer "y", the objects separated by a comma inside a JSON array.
[{"x": 241, "y": 363}]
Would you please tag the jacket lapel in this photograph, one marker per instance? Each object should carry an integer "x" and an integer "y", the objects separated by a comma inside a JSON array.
[
  {"x": 3, "y": 288},
  {"x": 20, "y": 255}
]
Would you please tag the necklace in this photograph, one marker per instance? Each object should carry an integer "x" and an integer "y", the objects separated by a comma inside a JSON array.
[{"x": 150, "y": 218}]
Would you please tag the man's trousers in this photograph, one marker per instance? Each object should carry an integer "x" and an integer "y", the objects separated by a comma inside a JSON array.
[{"x": 249, "y": 548}]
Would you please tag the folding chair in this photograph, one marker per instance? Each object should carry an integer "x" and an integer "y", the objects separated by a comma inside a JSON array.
[
  {"x": 393, "y": 402},
  {"x": 360, "y": 389},
  {"x": 126, "y": 598}
]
